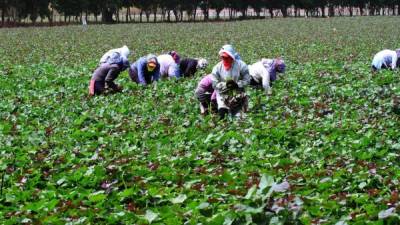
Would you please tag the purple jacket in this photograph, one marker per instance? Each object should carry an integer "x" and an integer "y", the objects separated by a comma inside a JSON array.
[
  {"x": 206, "y": 85},
  {"x": 145, "y": 76}
]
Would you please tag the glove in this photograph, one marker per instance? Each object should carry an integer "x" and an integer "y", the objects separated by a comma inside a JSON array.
[
  {"x": 232, "y": 85},
  {"x": 236, "y": 102},
  {"x": 222, "y": 87}
]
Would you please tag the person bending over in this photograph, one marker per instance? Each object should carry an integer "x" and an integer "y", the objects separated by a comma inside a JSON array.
[
  {"x": 265, "y": 71},
  {"x": 386, "y": 59},
  {"x": 206, "y": 95},
  {"x": 104, "y": 76},
  {"x": 145, "y": 70},
  {"x": 189, "y": 66}
]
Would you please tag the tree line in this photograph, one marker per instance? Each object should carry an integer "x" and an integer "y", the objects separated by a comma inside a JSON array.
[{"x": 108, "y": 11}]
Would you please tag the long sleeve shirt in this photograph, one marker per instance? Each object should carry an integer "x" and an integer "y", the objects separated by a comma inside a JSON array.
[
  {"x": 260, "y": 74},
  {"x": 144, "y": 75},
  {"x": 385, "y": 57},
  {"x": 188, "y": 67},
  {"x": 107, "y": 73},
  {"x": 168, "y": 66},
  {"x": 205, "y": 86},
  {"x": 239, "y": 72},
  {"x": 124, "y": 51}
]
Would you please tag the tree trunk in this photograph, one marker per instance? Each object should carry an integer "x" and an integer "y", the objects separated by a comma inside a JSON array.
[
  {"x": 258, "y": 13},
  {"x": 107, "y": 16},
  {"x": 351, "y": 11},
  {"x": 147, "y": 16},
  {"x": 271, "y": 13},
  {"x": 331, "y": 11},
  {"x": 176, "y": 15},
  {"x": 140, "y": 16},
  {"x": 205, "y": 13},
  {"x": 243, "y": 11},
  {"x": 155, "y": 15},
  {"x": 127, "y": 14},
  {"x": 3, "y": 15},
  {"x": 284, "y": 11}
]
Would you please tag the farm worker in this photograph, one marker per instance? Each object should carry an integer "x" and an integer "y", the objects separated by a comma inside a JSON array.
[
  {"x": 264, "y": 72},
  {"x": 169, "y": 65},
  {"x": 123, "y": 52},
  {"x": 145, "y": 70},
  {"x": 104, "y": 76},
  {"x": 230, "y": 77},
  {"x": 386, "y": 59},
  {"x": 206, "y": 95},
  {"x": 189, "y": 66}
]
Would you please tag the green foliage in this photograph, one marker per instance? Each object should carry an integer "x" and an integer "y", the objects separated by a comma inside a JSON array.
[{"x": 322, "y": 148}]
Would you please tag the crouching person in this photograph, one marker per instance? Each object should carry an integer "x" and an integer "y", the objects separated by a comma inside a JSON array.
[
  {"x": 121, "y": 52},
  {"x": 104, "y": 76},
  {"x": 264, "y": 72},
  {"x": 206, "y": 95},
  {"x": 169, "y": 65},
  {"x": 145, "y": 70},
  {"x": 230, "y": 76},
  {"x": 386, "y": 59},
  {"x": 189, "y": 66}
]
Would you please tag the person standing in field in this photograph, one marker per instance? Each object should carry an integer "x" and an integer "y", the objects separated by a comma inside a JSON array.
[
  {"x": 206, "y": 95},
  {"x": 114, "y": 53},
  {"x": 189, "y": 66},
  {"x": 104, "y": 76},
  {"x": 386, "y": 59},
  {"x": 229, "y": 77},
  {"x": 145, "y": 70},
  {"x": 265, "y": 71},
  {"x": 169, "y": 65}
]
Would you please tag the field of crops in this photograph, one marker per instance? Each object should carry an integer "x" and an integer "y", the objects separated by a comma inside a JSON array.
[{"x": 322, "y": 149}]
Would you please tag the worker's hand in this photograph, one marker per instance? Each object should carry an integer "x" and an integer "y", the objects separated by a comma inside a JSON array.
[
  {"x": 222, "y": 87},
  {"x": 232, "y": 85}
]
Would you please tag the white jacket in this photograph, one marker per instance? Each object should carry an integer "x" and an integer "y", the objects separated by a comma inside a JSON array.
[
  {"x": 259, "y": 71},
  {"x": 168, "y": 66},
  {"x": 239, "y": 73},
  {"x": 124, "y": 52},
  {"x": 385, "y": 57}
]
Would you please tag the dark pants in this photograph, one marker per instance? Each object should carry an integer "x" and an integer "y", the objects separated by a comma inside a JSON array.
[
  {"x": 205, "y": 100},
  {"x": 133, "y": 74},
  {"x": 382, "y": 67},
  {"x": 96, "y": 87}
]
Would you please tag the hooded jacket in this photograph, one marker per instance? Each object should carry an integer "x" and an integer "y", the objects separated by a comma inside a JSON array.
[
  {"x": 168, "y": 66},
  {"x": 124, "y": 51},
  {"x": 386, "y": 58},
  {"x": 265, "y": 71},
  {"x": 238, "y": 72},
  {"x": 144, "y": 75}
]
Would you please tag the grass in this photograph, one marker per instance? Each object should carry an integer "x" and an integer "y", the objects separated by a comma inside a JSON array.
[{"x": 147, "y": 156}]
